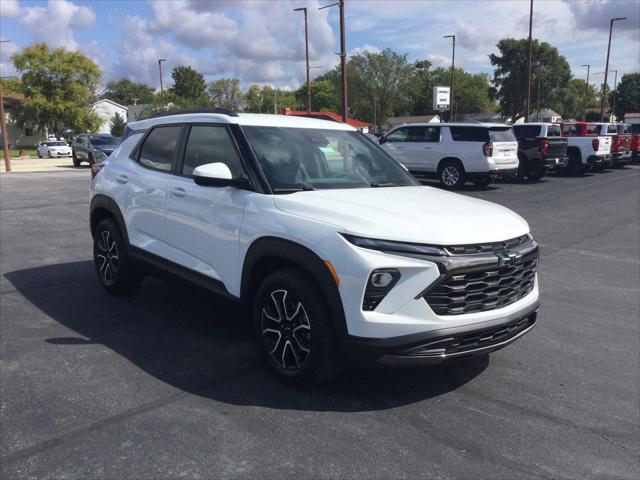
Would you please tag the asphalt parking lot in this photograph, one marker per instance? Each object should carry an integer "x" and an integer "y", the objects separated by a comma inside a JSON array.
[{"x": 167, "y": 383}]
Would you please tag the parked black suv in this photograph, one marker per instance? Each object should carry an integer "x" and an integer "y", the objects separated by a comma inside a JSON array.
[
  {"x": 541, "y": 148},
  {"x": 92, "y": 148}
]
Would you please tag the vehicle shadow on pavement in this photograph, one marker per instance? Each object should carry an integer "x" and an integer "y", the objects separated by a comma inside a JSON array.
[{"x": 202, "y": 344}]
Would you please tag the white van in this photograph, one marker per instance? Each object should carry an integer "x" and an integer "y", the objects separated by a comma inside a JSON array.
[{"x": 455, "y": 152}]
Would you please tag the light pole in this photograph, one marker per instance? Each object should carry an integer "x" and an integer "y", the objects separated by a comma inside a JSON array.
[
  {"x": 161, "y": 89},
  {"x": 606, "y": 68},
  {"x": 615, "y": 87},
  {"x": 3, "y": 129},
  {"x": 586, "y": 90},
  {"x": 343, "y": 61},
  {"x": 306, "y": 50},
  {"x": 526, "y": 119},
  {"x": 538, "y": 105},
  {"x": 453, "y": 68},
  {"x": 375, "y": 119}
]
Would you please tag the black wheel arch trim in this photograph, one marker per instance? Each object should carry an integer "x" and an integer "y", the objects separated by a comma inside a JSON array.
[
  {"x": 305, "y": 259},
  {"x": 104, "y": 202}
]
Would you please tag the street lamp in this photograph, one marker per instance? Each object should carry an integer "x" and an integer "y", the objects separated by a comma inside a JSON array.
[
  {"x": 453, "y": 66},
  {"x": 375, "y": 114},
  {"x": 615, "y": 87},
  {"x": 606, "y": 68},
  {"x": 3, "y": 129},
  {"x": 526, "y": 119},
  {"x": 306, "y": 49},
  {"x": 586, "y": 90},
  {"x": 161, "y": 89},
  {"x": 343, "y": 61}
]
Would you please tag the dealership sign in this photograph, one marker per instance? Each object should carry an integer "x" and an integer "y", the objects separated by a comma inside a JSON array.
[{"x": 441, "y": 98}]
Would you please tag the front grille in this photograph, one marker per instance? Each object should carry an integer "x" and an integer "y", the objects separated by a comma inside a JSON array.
[
  {"x": 480, "y": 339},
  {"x": 477, "y": 291},
  {"x": 488, "y": 247}
]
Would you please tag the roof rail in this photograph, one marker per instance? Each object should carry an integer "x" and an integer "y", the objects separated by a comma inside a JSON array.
[{"x": 219, "y": 110}]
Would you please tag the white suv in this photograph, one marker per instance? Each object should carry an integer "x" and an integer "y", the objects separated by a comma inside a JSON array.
[
  {"x": 336, "y": 251},
  {"x": 455, "y": 152}
]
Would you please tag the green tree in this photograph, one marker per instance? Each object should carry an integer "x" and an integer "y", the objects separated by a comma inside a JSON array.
[
  {"x": 117, "y": 125},
  {"x": 11, "y": 86},
  {"x": 254, "y": 99},
  {"x": 627, "y": 94},
  {"x": 58, "y": 87},
  {"x": 126, "y": 92},
  {"x": 510, "y": 75},
  {"x": 188, "y": 87},
  {"x": 226, "y": 92},
  {"x": 325, "y": 96},
  {"x": 569, "y": 101}
]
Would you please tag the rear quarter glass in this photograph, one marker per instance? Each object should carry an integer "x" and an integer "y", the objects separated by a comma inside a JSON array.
[
  {"x": 502, "y": 134},
  {"x": 554, "y": 131}
]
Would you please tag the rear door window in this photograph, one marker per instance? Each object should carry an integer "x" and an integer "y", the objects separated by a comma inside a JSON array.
[
  {"x": 159, "y": 148},
  {"x": 554, "y": 131},
  {"x": 470, "y": 134},
  {"x": 423, "y": 134},
  {"x": 501, "y": 134},
  {"x": 526, "y": 131}
]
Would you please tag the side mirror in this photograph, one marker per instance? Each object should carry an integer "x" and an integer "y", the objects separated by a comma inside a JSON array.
[{"x": 218, "y": 175}]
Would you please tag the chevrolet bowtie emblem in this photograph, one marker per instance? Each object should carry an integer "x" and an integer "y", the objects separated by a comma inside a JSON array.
[{"x": 509, "y": 259}]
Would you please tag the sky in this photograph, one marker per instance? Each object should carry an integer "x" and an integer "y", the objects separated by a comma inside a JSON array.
[{"x": 262, "y": 41}]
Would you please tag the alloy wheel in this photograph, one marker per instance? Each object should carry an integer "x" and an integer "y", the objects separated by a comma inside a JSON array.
[
  {"x": 107, "y": 257},
  {"x": 286, "y": 330},
  {"x": 450, "y": 176}
]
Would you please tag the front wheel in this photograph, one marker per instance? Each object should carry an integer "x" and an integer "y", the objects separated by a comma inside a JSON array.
[
  {"x": 111, "y": 260},
  {"x": 76, "y": 162},
  {"x": 294, "y": 329},
  {"x": 451, "y": 174}
]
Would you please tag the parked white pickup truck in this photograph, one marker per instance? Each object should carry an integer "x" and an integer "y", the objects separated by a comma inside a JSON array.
[{"x": 586, "y": 149}]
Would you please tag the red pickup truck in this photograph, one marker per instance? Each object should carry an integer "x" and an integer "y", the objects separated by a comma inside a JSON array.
[
  {"x": 620, "y": 142},
  {"x": 634, "y": 132}
]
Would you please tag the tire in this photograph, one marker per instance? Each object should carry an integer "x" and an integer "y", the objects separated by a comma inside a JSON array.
[
  {"x": 111, "y": 260},
  {"x": 483, "y": 182},
  {"x": 537, "y": 175},
  {"x": 575, "y": 166},
  {"x": 451, "y": 174},
  {"x": 76, "y": 162},
  {"x": 91, "y": 160},
  {"x": 287, "y": 307},
  {"x": 39, "y": 154}
]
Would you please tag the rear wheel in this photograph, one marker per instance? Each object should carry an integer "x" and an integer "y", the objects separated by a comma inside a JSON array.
[
  {"x": 451, "y": 174},
  {"x": 111, "y": 260},
  {"x": 76, "y": 162},
  {"x": 536, "y": 175},
  {"x": 294, "y": 329},
  {"x": 575, "y": 166}
]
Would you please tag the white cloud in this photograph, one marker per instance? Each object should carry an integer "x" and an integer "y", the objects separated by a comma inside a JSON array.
[
  {"x": 57, "y": 23},
  {"x": 9, "y": 8},
  {"x": 364, "y": 48},
  {"x": 139, "y": 52},
  {"x": 7, "y": 50}
]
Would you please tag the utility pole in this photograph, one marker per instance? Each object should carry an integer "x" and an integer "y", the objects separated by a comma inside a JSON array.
[
  {"x": 306, "y": 49},
  {"x": 343, "y": 60},
  {"x": 615, "y": 87},
  {"x": 538, "y": 105},
  {"x": 161, "y": 89},
  {"x": 586, "y": 90},
  {"x": 606, "y": 68},
  {"x": 528, "y": 106},
  {"x": 3, "y": 129},
  {"x": 375, "y": 119},
  {"x": 453, "y": 69},
  {"x": 275, "y": 101}
]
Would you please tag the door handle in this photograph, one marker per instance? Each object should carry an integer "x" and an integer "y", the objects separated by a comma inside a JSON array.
[
  {"x": 427, "y": 148},
  {"x": 122, "y": 179},
  {"x": 178, "y": 192}
]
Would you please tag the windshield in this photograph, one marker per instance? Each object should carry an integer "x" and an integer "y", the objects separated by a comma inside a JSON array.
[
  {"x": 307, "y": 158},
  {"x": 54, "y": 144},
  {"x": 103, "y": 140}
]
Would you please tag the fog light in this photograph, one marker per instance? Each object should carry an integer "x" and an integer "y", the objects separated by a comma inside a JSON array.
[
  {"x": 380, "y": 284},
  {"x": 381, "y": 279}
]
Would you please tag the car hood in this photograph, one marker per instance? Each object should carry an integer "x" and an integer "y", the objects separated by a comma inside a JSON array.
[
  {"x": 409, "y": 214},
  {"x": 59, "y": 147}
]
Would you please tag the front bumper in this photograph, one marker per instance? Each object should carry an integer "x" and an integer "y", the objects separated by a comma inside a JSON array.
[
  {"x": 443, "y": 345},
  {"x": 621, "y": 157},
  {"x": 60, "y": 154}
]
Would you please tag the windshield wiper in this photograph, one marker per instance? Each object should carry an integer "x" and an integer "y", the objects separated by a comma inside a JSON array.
[
  {"x": 387, "y": 184},
  {"x": 305, "y": 187}
]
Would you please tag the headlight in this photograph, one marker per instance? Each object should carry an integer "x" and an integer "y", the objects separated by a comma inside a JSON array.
[{"x": 401, "y": 248}]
